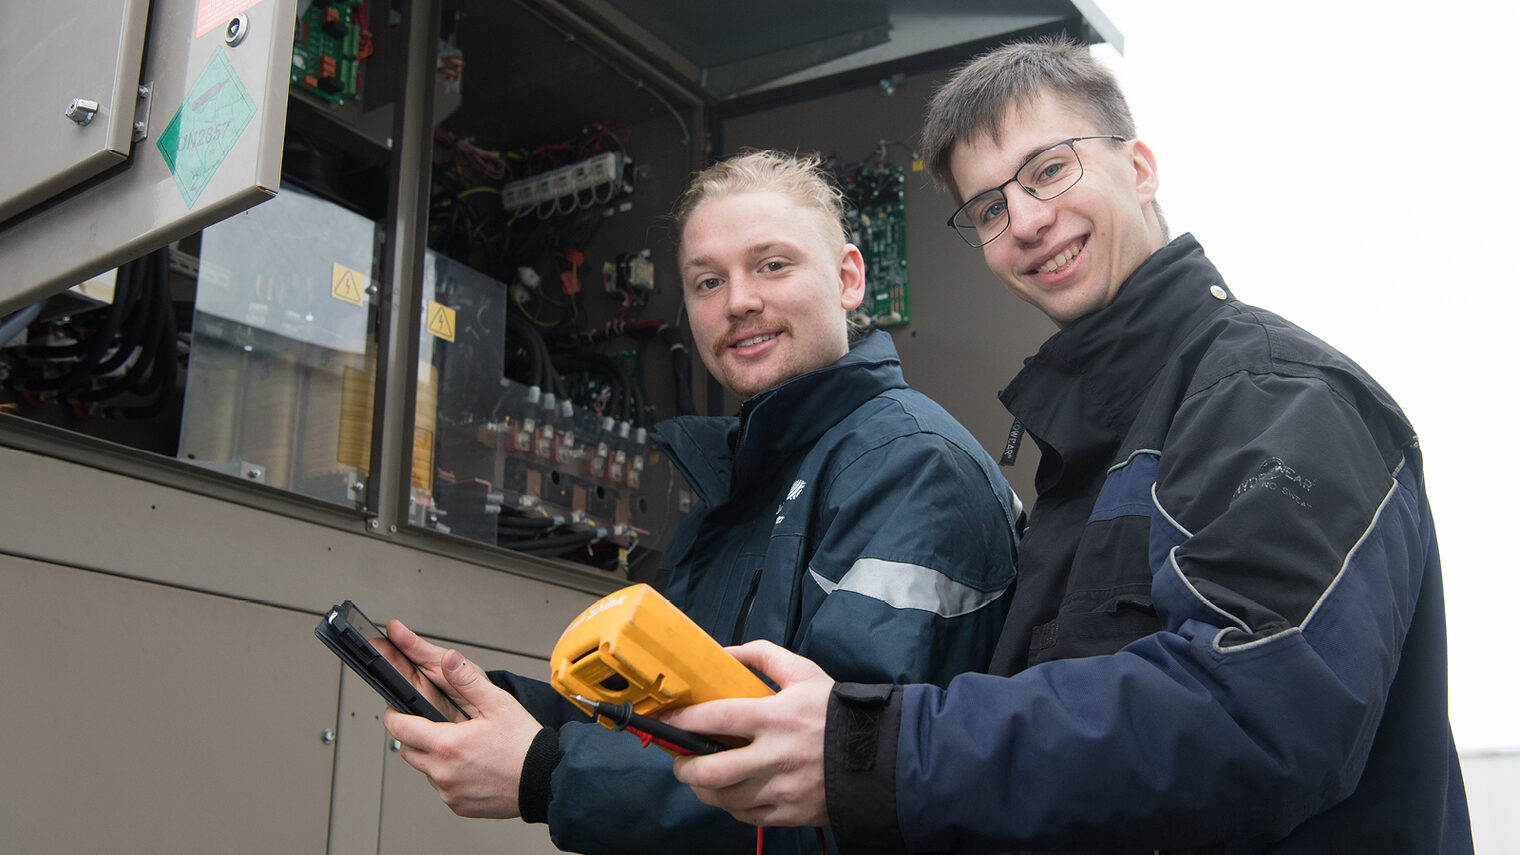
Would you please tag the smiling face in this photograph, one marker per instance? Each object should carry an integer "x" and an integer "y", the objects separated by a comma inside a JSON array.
[
  {"x": 767, "y": 283},
  {"x": 1068, "y": 255}
]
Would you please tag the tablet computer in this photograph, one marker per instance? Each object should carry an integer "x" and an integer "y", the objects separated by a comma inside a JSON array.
[{"x": 366, "y": 649}]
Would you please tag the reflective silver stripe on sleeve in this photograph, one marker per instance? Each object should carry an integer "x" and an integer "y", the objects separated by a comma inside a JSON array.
[{"x": 908, "y": 586}]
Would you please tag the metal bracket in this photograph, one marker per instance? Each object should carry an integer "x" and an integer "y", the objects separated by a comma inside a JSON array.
[{"x": 143, "y": 107}]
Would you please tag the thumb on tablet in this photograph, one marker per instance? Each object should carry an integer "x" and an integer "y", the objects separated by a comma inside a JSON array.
[{"x": 472, "y": 684}]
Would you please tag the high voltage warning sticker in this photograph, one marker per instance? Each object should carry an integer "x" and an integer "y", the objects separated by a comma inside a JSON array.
[
  {"x": 347, "y": 285},
  {"x": 440, "y": 320}
]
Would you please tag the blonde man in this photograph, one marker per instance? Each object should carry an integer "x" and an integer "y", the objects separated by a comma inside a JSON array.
[{"x": 840, "y": 514}]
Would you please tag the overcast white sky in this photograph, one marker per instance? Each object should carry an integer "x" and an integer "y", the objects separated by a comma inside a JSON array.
[{"x": 1352, "y": 166}]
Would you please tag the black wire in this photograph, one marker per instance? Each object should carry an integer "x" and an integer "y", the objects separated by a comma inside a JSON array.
[
  {"x": 507, "y": 521},
  {"x": 91, "y": 353},
  {"x": 521, "y": 330},
  {"x": 601, "y": 364},
  {"x": 550, "y": 545},
  {"x": 148, "y": 349}
]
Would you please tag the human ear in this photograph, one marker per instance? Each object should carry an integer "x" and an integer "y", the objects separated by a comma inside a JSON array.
[
  {"x": 852, "y": 277},
  {"x": 1146, "y": 177}
]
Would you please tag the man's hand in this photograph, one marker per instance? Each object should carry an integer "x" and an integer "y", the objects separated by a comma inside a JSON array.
[
  {"x": 475, "y": 765},
  {"x": 776, "y": 780}
]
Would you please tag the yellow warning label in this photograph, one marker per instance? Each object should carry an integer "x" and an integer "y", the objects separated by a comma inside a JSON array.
[
  {"x": 440, "y": 320},
  {"x": 348, "y": 285}
]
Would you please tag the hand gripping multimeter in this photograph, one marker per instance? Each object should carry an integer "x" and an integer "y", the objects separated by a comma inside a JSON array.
[{"x": 632, "y": 646}]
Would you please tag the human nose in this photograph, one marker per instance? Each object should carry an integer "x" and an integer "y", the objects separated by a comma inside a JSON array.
[
  {"x": 744, "y": 297},
  {"x": 1027, "y": 216}
]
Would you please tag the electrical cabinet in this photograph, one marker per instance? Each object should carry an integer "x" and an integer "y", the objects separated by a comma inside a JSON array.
[{"x": 375, "y": 299}]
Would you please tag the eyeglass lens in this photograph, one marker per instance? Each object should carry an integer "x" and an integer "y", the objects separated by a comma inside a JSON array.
[{"x": 1045, "y": 176}]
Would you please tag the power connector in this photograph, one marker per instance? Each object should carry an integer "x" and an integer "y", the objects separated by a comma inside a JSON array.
[{"x": 600, "y": 170}]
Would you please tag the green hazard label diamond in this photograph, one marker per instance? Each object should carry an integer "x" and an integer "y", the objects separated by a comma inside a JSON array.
[{"x": 210, "y": 119}]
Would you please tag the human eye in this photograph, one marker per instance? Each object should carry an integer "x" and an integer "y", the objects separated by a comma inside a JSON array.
[
  {"x": 992, "y": 210},
  {"x": 703, "y": 284},
  {"x": 1048, "y": 168},
  {"x": 986, "y": 208},
  {"x": 773, "y": 265}
]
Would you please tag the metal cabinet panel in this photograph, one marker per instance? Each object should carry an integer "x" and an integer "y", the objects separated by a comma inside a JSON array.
[
  {"x": 212, "y": 144},
  {"x": 73, "y": 68},
  {"x": 150, "y": 719},
  {"x": 414, "y": 819}
]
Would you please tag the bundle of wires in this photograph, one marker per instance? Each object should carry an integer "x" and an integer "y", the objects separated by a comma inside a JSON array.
[
  {"x": 124, "y": 351},
  {"x": 643, "y": 333}
]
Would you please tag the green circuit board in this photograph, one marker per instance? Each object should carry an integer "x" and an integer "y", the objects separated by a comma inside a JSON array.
[
  {"x": 878, "y": 221},
  {"x": 330, "y": 43}
]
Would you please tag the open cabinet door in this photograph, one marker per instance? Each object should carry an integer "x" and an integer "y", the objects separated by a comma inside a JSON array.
[{"x": 131, "y": 125}]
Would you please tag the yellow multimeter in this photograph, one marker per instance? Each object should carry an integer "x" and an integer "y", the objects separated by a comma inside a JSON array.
[{"x": 632, "y": 646}]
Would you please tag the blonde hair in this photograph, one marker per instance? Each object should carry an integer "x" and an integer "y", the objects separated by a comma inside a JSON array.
[{"x": 801, "y": 178}]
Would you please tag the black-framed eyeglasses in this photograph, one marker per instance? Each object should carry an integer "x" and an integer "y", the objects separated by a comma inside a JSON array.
[{"x": 1045, "y": 175}]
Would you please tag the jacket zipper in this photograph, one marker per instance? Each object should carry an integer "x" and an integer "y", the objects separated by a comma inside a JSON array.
[{"x": 747, "y": 606}]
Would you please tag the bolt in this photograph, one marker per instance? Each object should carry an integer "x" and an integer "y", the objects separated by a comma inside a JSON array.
[
  {"x": 328, "y": 736},
  {"x": 393, "y": 529},
  {"x": 395, "y": 745},
  {"x": 144, "y": 91},
  {"x": 374, "y": 524},
  {"x": 358, "y": 487}
]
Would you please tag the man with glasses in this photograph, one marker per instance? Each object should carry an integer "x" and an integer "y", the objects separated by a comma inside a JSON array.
[{"x": 1228, "y": 633}]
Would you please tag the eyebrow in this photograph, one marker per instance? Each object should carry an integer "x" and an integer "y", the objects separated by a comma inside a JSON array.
[
  {"x": 1027, "y": 156},
  {"x": 757, "y": 250}
]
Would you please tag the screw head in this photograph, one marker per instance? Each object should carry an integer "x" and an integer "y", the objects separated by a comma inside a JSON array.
[{"x": 328, "y": 736}]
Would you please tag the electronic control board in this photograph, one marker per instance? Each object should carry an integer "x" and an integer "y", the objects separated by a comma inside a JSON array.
[{"x": 878, "y": 222}]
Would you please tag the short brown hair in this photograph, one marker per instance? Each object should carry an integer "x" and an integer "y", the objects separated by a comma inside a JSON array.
[{"x": 980, "y": 93}]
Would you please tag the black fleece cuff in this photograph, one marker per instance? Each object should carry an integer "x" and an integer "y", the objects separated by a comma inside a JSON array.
[
  {"x": 860, "y": 767},
  {"x": 533, "y": 788}
]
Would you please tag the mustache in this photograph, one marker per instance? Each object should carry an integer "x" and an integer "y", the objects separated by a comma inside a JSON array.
[{"x": 722, "y": 343}]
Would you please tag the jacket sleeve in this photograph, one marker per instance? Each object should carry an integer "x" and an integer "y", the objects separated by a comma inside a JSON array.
[
  {"x": 916, "y": 552},
  {"x": 601, "y": 792},
  {"x": 1287, "y": 553},
  {"x": 900, "y": 510}
]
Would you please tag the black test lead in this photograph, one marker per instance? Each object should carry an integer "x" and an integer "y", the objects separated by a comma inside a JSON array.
[{"x": 650, "y": 730}]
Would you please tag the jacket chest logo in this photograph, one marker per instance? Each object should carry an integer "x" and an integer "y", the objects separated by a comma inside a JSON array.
[{"x": 794, "y": 492}]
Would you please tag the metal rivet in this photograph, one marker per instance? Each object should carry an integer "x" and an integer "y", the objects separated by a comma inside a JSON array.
[
  {"x": 1218, "y": 292},
  {"x": 374, "y": 524},
  {"x": 328, "y": 736}
]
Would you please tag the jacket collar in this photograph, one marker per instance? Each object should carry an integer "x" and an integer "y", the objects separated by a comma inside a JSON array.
[
  {"x": 718, "y": 456},
  {"x": 1084, "y": 386}
]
